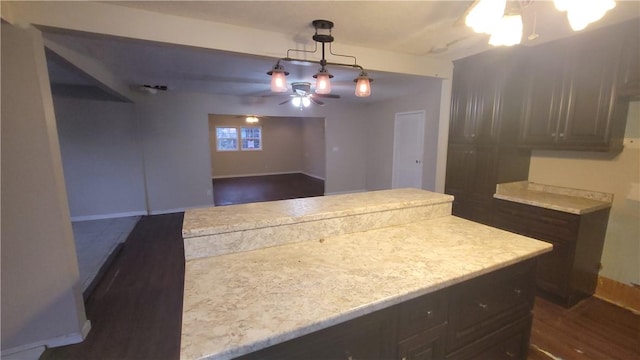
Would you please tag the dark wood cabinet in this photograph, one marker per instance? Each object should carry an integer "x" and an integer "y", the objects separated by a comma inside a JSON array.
[
  {"x": 476, "y": 102},
  {"x": 569, "y": 273},
  {"x": 571, "y": 100},
  {"x": 488, "y": 317},
  {"x": 473, "y": 171}
]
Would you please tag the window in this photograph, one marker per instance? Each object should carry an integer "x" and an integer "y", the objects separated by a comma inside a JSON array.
[
  {"x": 251, "y": 138},
  {"x": 227, "y": 138}
]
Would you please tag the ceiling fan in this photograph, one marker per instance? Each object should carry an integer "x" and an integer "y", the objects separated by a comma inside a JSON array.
[{"x": 303, "y": 97}]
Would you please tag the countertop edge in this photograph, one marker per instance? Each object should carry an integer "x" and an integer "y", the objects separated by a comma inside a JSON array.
[{"x": 546, "y": 205}]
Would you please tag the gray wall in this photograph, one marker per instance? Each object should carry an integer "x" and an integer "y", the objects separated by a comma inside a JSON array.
[
  {"x": 313, "y": 140},
  {"x": 380, "y": 125},
  {"x": 102, "y": 158},
  {"x": 41, "y": 295}
]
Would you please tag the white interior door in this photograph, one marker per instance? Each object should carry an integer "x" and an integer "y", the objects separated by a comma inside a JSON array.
[{"x": 408, "y": 147}]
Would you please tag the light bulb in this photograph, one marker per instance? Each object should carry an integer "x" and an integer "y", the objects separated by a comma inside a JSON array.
[
  {"x": 296, "y": 101},
  {"x": 581, "y": 13},
  {"x": 485, "y": 15},
  {"x": 508, "y": 31},
  {"x": 306, "y": 102}
]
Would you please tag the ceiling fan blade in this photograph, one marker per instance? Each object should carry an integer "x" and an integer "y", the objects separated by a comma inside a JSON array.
[
  {"x": 328, "y": 96},
  {"x": 284, "y": 102}
]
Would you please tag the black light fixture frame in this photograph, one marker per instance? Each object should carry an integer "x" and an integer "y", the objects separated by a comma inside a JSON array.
[{"x": 323, "y": 38}]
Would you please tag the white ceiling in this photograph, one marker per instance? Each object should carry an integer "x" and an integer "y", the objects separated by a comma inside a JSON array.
[{"x": 406, "y": 27}]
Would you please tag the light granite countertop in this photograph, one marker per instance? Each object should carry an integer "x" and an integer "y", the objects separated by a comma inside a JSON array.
[
  {"x": 238, "y": 303},
  {"x": 224, "y": 219},
  {"x": 574, "y": 201}
]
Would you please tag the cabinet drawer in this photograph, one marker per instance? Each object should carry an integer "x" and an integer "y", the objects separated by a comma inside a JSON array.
[
  {"x": 509, "y": 343},
  {"x": 489, "y": 302},
  {"x": 425, "y": 345},
  {"x": 422, "y": 313}
]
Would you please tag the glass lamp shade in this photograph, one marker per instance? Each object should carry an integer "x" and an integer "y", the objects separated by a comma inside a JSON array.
[
  {"x": 323, "y": 82},
  {"x": 251, "y": 119},
  {"x": 306, "y": 101},
  {"x": 363, "y": 85},
  {"x": 582, "y": 13},
  {"x": 278, "y": 80},
  {"x": 507, "y": 32},
  {"x": 296, "y": 101},
  {"x": 485, "y": 15}
]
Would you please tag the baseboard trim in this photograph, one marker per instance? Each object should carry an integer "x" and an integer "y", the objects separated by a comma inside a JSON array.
[
  {"x": 621, "y": 294},
  {"x": 345, "y": 192},
  {"x": 257, "y": 174},
  {"x": 108, "y": 216},
  {"x": 25, "y": 351},
  {"x": 313, "y": 176}
]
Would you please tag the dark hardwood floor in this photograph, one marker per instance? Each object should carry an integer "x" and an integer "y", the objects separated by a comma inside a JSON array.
[
  {"x": 592, "y": 329},
  {"x": 241, "y": 190},
  {"x": 136, "y": 309}
]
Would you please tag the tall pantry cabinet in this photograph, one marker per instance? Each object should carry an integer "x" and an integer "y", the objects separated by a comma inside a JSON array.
[{"x": 482, "y": 133}]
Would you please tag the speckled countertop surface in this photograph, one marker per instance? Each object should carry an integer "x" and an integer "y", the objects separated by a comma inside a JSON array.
[
  {"x": 223, "y": 219},
  {"x": 238, "y": 303},
  {"x": 574, "y": 201}
]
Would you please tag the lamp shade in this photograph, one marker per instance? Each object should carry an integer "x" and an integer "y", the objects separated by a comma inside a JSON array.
[
  {"x": 363, "y": 85},
  {"x": 306, "y": 102},
  {"x": 323, "y": 81},
  {"x": 485, "y": 15},
  {"x": 508, "y": 31},
  {"x": 278, "y": 78},
  {"x": 296, "y": 101}
]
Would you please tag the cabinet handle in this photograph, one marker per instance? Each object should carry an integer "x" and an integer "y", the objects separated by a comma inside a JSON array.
[
  {"x": 429, "y": 314},
  {"x": 483, "y": 306},
  {"x": 561, "y": 135},
  {"x": 517, "y": 291}
]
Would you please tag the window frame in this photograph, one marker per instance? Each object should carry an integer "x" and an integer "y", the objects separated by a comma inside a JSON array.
[
  {"x": 237, "y": 138},
  {"x": 241, "y": 143}
]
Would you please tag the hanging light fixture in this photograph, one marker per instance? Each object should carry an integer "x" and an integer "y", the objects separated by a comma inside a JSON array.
[
  {"x": 363, "y": 85},
  {"x": 581, "y": 13},
  {"x": 485, "y": 14},
  {"x": 323, "y": 77},
  {"x": 507, "y": 32},
  {"x": 251, "y": 119}
]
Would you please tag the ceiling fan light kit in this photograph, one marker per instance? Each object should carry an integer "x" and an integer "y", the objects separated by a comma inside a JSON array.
[
  {"x": 504, "y": 23},
  {"x": 323, "y": 77}
]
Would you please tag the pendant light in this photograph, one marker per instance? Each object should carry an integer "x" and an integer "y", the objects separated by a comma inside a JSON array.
[{"x": 323, "y": 77}]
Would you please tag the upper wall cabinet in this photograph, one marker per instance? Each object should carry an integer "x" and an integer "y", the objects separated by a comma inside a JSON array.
[
  {"x": 571, "y": 100},
  {"x": 476, "y": 100}
]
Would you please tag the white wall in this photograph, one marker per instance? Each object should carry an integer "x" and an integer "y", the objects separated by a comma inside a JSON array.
[
  {"x": 380, "y": 126},
  {"x": 605, "y": 173},
  {"x": 41, "y": 293},
  {"x": 102, "y": 158}
]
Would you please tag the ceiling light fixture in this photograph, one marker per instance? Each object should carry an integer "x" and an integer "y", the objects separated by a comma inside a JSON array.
[
  {"x": 581, "y": 13},
  {"x": 251, "y": 119},
  {"x": 503, "y": 21},
  {"x": 323, "y": 77}
]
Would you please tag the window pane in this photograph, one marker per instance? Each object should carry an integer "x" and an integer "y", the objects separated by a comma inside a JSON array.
[
  {"x": 251, "y": 138},
  {"x": 227, "y": 138}
]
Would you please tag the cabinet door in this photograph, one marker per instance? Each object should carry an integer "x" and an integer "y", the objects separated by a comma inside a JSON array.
[
  {"x": 425, "y": 345},
  {"x": 544, "y": 73},
  {"x": 460, "y": 167},
  {"x": 590, "y": 99},
  {"x": 462, "y": 103},
  {"x": 476, "y": 100}
]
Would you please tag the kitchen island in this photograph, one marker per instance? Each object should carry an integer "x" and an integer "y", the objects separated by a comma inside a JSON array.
[{"x": 250, "y": 298}]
